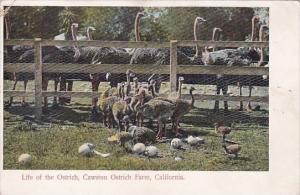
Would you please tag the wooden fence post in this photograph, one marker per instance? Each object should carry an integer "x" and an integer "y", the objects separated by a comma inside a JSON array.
[
  {"x": 38, "y": 78},
  {"x": 173, "y": 65}
]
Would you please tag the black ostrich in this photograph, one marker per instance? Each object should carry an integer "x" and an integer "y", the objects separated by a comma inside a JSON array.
[
  {"x": 263, "y": 61},
  {"x": 232, "y": 57},
  {"x": 99, "y": 55},
  {"x": 50, "y": 54},
  {"x": 12, "y": 55},
  {"x": 160, "y": 56},
  {"x": 254, "y": 56}
]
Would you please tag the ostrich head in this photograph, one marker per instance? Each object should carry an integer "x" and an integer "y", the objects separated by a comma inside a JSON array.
[
  {"x": 130, "y": 73},
  {"x": 91, "y": 146},
  {"x": 255, "y": 19},
  {"x": 140, "y": 14},
  {"x": 200, "y": 20},
  {"x": 192, "y": 88},
  {"x": 126, "y": 121}
]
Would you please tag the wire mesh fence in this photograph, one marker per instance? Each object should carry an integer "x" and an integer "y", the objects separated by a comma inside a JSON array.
[{"x": 229, "y": 77}]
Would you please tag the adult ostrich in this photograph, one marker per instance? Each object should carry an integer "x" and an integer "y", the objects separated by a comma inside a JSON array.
[
  {"x": 50, "y": 54},
  {"x": 12, "y": 55},
  {"x": 254, "y": 55},
  {"x": 155, "y": 56},
  {"x": 184, "y": 58},
  {"x": 60, "y": 54},
  {"x": 147, "y": 55},
  {"x": 263, "y": 61},
  {"x": 221, "y": 81},
  {"x": 67, "y": 85},
  {"x": 230, "y": 57},
  {"x": 99, "y": 55}
]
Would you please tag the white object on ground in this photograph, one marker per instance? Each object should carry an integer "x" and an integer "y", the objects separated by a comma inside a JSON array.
[
  {"x": 176, "y": 143},
  {"x": 87, "y": 149},
  {"x": 25, "y": 159},
  {"x": 139, "y": 148},
  {"x": 194, "y": 140},
  {"x": 178, "y": 158},
  {"x": 151, "y": 151}
]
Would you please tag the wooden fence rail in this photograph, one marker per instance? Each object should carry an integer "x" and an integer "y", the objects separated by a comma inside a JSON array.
[{"x": 38, "y": 68}]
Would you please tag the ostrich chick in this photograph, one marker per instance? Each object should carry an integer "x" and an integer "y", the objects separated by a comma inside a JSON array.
[
  {"x": 160, "y": 110},
  {"x": 120, "y": 109},
  {"x": 223, "y": 130},
  {"x": 232, "y": 149},
  {"x": 142, "y": 134}
]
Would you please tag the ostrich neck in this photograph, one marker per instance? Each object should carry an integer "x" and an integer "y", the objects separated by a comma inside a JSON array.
[
  {"x": 123, "y": 93},
  {"x": 136, "y": 28},
  {"x": 196, "y": 35},
  {"x": 152, "y": 91},
  {"x": 252, "y": 31},
  {"x": 192, "y": 100},
  {"x": 261, "y": 38},
  {"x": 179, "y": 90},
  {"x": 195, "y": 30},
  {"x": 214, "y": 36},
  {"x": 89, "y": 35},
  {"x": 74, "y": 33},
  {"x": 120, "y": 91},
  {"x": 7, "y": 35}
]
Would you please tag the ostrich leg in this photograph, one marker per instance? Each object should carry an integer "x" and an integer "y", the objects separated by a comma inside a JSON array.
[
  {"x": 23, "y": 98},
  {"x": 95, "y": 79},
  {"x": 70, "y": 87},
  {"x": 249, "y": 108},
  {"x": 224, "y": 91},
  {"x": 62, "y": 87},
  {"x": 56, "y": 81},
  {"x": 240, "y": 94},
  {"x": 14, "y": 88},
  {"x": 45, "y": 82},
  {"x": 216, "y": 108},
  {"x": 158, "y": 135}
]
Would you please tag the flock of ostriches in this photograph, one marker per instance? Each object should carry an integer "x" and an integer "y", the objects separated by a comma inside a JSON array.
[{"x": 124, "y": 104}]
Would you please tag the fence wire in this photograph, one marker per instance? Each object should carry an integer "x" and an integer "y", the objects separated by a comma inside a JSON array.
[{"x": 76, "y": 78}]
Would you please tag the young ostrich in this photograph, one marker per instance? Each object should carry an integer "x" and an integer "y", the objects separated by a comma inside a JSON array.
[
  {"x": 182, "y": 107},
  {"x": 106, "y": 103},
  {"x": 232, "y": 149},
  {"x": 121, "y": 108},
  {"x": 223, "y": 130},
  {"x": 160, "y": 110}
]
